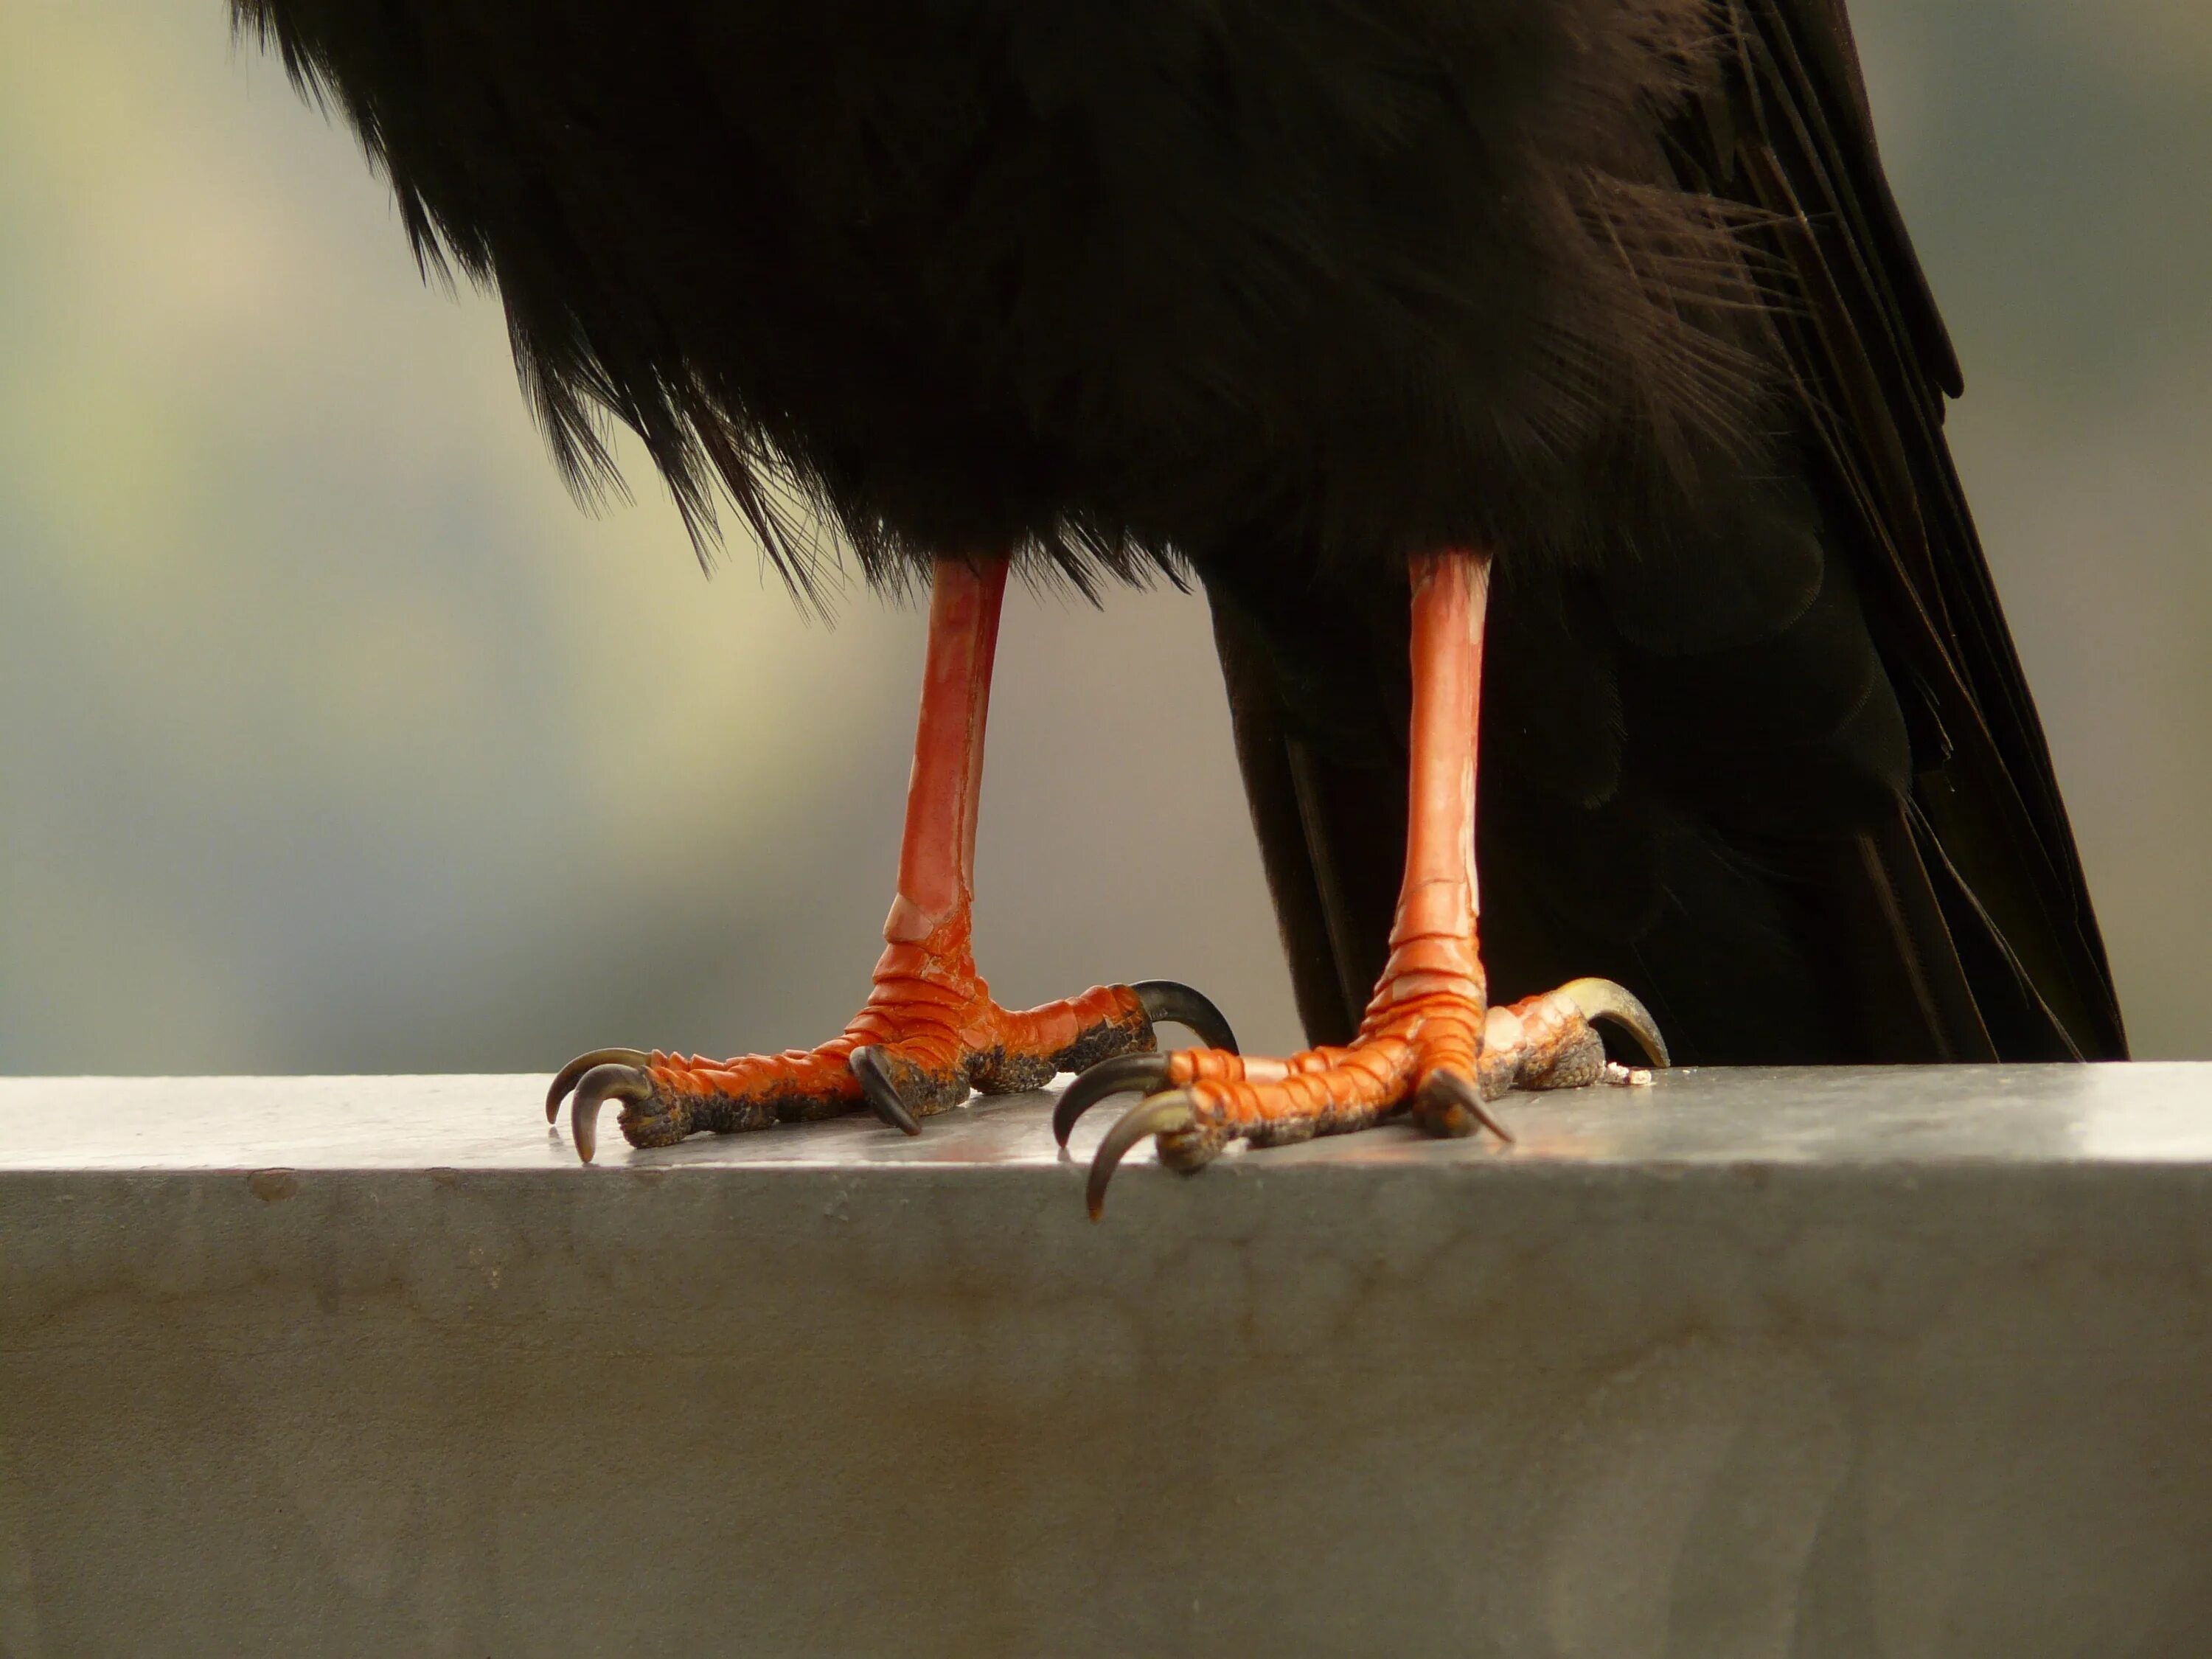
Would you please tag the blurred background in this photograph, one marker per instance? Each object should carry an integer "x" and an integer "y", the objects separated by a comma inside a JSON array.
[{"x": 334, "y": 738}]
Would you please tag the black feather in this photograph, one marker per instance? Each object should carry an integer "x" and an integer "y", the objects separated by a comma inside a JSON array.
[
  {"x": 1108, "y": 281},
  {"x": 1782, "y": 774}
]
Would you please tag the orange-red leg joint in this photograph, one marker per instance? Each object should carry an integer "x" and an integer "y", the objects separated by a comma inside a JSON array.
[
  {"x": 1428, "y": 1011},
  {"x": 938, "y": 1034},
  {"x": 1430, "y": 1041},
  {"x": 929, "y": 1018}
]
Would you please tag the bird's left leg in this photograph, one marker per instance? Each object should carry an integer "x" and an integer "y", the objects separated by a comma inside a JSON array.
[
  {"x": 930, "y": 1030},
  {"x": 1430, "y": 1041}
]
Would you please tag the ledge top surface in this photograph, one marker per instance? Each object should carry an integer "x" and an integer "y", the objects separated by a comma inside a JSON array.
[{"x": 1934, "y": 1116}]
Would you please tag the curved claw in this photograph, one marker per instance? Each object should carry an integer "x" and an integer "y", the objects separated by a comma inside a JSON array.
[
  {"x": 1600, "y": 998},
  {"x": 565, "y": 1078},
  {"x": 1123, "y": 1073},
  {"x": 883, "y": 1096},
  {"x": 599, "y": 1085},
  {"x": 1449, "y": 1089},
  {"x": 1166, "y": 1001},
  {"x": 1161, "y": 1115}
]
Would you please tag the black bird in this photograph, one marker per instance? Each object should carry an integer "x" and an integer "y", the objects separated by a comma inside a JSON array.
[{"x": 1557, "y": 367}]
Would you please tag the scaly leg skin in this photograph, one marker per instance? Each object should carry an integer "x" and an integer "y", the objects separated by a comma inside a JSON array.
[
  {"x": 930, "y": 1032},
  {"x": 1430, "y": 1041}
]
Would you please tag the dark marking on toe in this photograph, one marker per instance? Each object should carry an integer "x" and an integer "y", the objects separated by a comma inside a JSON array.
[
  {"x": 1000, "y": 1070},
  {"x": 1131, "y": 1033}
]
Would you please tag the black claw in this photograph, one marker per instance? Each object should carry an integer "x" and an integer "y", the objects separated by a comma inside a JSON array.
[
  {"x": 565, "y": 1078},
  {"x": 882, "y": 1093},
  {"x": 597, "y": 1086},
  {"x": 1122, "y": 1074},
  {"x": 1178, "y": 1004},
  {"x": 1161, "y": 1115},
  {"x": 1600, "y": 998},
  {"x": 1457, "y": 1090}
]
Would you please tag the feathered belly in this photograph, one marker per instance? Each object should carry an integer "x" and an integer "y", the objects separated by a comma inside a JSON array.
[{"x": 1100, "y": 275}]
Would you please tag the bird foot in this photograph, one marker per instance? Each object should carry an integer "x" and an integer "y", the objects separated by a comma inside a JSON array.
[
  {"x": 925, "y": 1039},
  {"x": 1437, "y": 1052}
]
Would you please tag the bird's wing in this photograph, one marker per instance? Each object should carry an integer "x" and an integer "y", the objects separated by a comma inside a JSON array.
[
  {"x": 1793, "y": 135},
  {"x": 1955, "y": 924}
]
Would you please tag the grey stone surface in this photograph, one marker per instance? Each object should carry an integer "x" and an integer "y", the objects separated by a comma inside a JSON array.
[{"x": 1842, "y": 1365}]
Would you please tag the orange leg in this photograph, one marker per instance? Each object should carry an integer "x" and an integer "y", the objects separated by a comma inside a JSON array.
[
  {"x": 929, "y": 1031},
  {"x": 1430, "y": 1041}
]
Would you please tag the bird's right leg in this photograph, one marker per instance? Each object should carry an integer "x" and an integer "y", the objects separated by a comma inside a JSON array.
[
  {"x": 1431, "y": 1044},
  {"x": 929, "y": 1031}
]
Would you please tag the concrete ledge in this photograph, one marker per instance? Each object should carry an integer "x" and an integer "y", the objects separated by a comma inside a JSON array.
[{"x": 1829, "y": 1365}]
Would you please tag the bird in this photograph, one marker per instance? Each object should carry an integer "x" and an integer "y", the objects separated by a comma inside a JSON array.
[{"x": 1545, "y": 394}]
